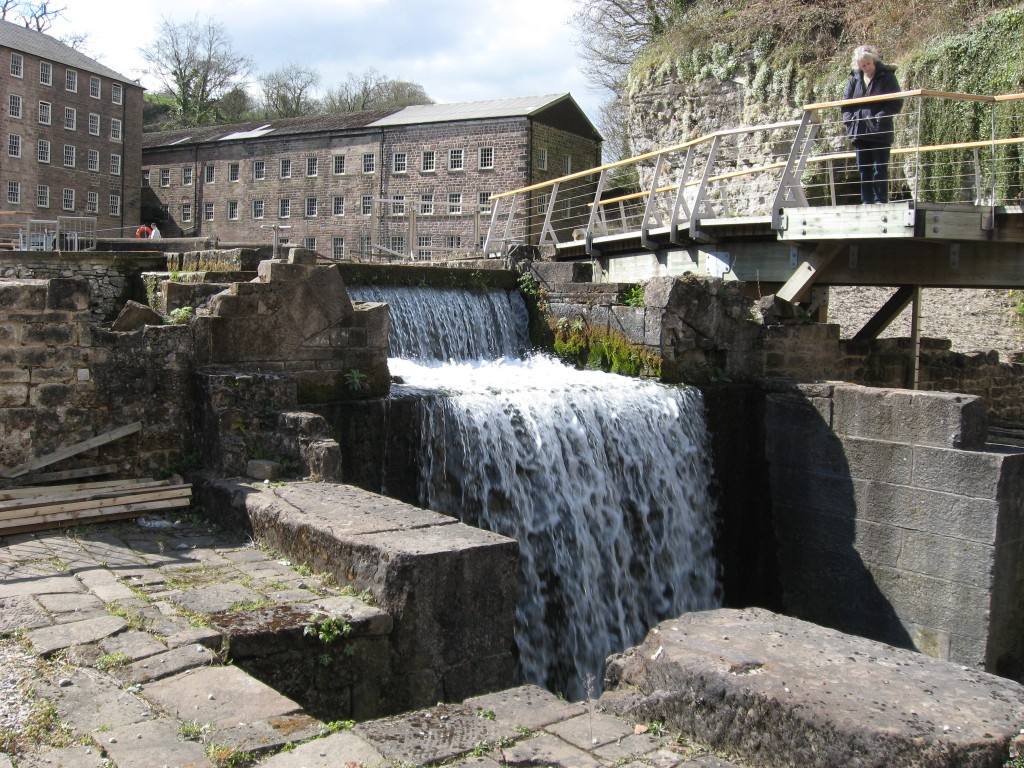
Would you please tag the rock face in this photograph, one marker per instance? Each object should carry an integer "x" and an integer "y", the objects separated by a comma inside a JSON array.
[{"x": 782, "y": 692}]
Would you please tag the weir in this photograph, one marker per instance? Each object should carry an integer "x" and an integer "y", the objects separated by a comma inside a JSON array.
[{"x": 602, "y": 480}]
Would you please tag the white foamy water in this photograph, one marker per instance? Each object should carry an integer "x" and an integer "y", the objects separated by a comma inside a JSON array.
[{"x": 601, "y": 479}]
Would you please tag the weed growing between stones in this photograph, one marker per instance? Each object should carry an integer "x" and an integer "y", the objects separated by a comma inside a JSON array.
[
  {"x": 111, "y": 661},
  {"x": 329, "y": 629},
  {"x": 223, "y": 756},
  {"x": 135, "y": 621}
]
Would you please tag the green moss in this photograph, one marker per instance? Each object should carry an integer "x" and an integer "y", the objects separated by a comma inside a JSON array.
[{"x": 582, "y": 347}]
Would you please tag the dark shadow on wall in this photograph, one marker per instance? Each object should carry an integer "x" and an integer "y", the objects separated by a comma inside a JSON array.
[{"x": 823, "y": 577}]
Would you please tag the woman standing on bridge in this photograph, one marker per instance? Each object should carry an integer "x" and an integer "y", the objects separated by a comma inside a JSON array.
[{"x": 869, "y": 126}]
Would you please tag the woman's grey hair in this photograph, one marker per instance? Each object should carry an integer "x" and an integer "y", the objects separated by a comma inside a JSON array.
[{"x": 863, "y": 53}]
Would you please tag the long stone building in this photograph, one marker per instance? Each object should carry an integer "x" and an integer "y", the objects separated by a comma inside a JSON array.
[
  {"x": 415, "y": 181},
  {"x": 73, "y": 130}
]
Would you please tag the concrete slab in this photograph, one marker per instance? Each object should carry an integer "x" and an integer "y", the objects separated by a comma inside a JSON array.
[
  {"x": 166, "y": 664},
  {"x": 773, "y": 688},
  {"x": 528, "y": 706},
  {"x": 46, "y": 640},
  {"x": 224, "y": 696},
  {"x": 153, "y": 743},
  {"x": 332, "y": 751}
]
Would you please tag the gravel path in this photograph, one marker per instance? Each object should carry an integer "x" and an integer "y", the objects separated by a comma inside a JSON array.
[
  {"x": 16, "y": 666},
  {"x": 974, "y": 320}
]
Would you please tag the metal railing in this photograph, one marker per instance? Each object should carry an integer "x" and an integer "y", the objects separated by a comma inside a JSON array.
[
  {"x": 759, "y": 170},
  {"x": 64, "y": 233}
]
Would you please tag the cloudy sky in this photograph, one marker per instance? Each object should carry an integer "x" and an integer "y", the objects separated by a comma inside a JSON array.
[{"x": 458, "y": 50}]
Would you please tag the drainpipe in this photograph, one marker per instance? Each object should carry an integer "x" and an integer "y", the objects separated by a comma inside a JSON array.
[
  {"x": 381, "y": 222},
  {"x": 529, "y": 173}
]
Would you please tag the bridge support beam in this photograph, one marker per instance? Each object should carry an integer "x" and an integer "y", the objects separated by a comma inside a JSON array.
[{"x": 798, "y": 286}]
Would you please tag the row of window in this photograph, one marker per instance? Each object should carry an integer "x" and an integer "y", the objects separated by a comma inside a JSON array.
[
  {"x": 424, "y": 244},
  {"x": 70, "y": 79},
  {"x": 45, "y": 117},
  {"x": 453, "y": 205},
  {"x": 92, "y": 199},
  {"x": 14, "y": 149},
  {"x": 399, "y": 161}
]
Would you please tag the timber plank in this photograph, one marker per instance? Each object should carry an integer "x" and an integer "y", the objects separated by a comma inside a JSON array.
[
  {"x": 69, "y": 474},
  {"x": 71, "y": 450},
  {"x": 53, "y": 490},
  {"x": 42, "y": 510},
  {"x": 75, "y": 495},
  {"x": 37, "y": 523}
]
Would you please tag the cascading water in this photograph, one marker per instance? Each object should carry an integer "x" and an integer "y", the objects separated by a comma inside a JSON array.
[{"x": 602, "y": 480}]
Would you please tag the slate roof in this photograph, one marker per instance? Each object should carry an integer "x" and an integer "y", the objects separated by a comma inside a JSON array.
[
  {"x": 522, "y": 106},
  {"x": 38, "y": 44}
]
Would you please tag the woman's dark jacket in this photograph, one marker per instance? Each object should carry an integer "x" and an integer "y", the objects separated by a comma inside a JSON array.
[{"x": 871, "y": 124}]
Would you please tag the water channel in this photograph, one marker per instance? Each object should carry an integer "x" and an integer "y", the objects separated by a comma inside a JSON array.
[{"x": 601, "y": 479}]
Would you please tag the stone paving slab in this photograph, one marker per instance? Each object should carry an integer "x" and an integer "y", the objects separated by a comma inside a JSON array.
[
  {"x": 528, "y": 706},
  {"x": 155, "y": 743},
  {"x": 547, "y": 750},
  {"x": 133, "y": 644},
  {"x": 46, "y": 640},
  {"x": 591, "y": 730},
  {"x": 21, "y": 612},
  {"x": 267, "y": 735},
  {"x": 166, "y": 664},
  {"x": 68, "y": 602},
  {"x": 214, "y": 598},
  {"x": 91, "y": 701},
  {"x": 333, "y": 751},
  {"x": 38, "y": 585},
  {"x": 68, "y": 757}
]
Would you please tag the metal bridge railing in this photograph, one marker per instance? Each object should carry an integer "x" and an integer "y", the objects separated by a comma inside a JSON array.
[{"x": 759, "y": 170}]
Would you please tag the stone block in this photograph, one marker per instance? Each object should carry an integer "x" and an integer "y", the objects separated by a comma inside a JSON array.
[
  {"x": 156, "y": 742},
  {"x": 13, "y": 395},
  {"x": 23, "y": 295},
  {"x": 135, "y": 316},
  {"x": 557, "y": 273},
  {"x": 277, "y": 271},
  {"x": 879, "y": 461},
  {"x": 49, "y": 334},
  {"x": 630, "y": 322},
  {"x": 70, "y": 294},
  {"x": 972, "y": 519}
]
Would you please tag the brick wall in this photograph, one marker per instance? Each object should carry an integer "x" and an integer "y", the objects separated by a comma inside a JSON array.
[{"x": 62, "y": 381}]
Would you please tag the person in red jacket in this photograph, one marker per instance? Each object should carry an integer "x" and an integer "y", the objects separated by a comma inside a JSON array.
[{"x": 869, "y": 126}]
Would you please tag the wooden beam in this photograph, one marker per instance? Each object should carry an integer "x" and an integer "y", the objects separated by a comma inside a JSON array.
[
  {"x": 54, "y": 520},
  {"x": 18, "y": 508},
  {"x": 807, "y": 273},
  {"x": 71, "y": 450},
  {"x": 68, "y": 474},
  {"x": 56, "y": 490},
  {"x": 888, "y": 312}
]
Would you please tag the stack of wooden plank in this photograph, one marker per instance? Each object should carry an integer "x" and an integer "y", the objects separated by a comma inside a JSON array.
[{"x": 41, "y": 507}]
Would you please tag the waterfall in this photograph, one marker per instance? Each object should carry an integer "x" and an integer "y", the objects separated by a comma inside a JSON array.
[{"x": 603, "y": 481}]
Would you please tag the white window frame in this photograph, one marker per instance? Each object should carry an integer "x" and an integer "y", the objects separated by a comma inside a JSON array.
[
  {"x": 186, "y": 177},
  {"x": 186, "y": 213},
  {"x": 311, "y": 208},
  {"x": 42, "y": 196},
  {"x": 397, "y": 243},
  {"x": 209, "y": 173},
  {"x": 71, "y": 81},
  {"x": 116, "y": 93},
  {"x": 312, "y": 167},
  {"x": 14, "y": 145},
  {"x": 398, "y": 205},
  {"x": 453, "y": 242},
  {"x": 365, "y": 245},
  {"x": 115, "y": 164},
  {"x": 483, "y": 202},
  {"x": 369, "y": 163},
  {"x": 339, "y": 166},
  {"x": 454, "y": 203},
  {"x": 209, "y": 211},
  {"x": 258, "y": 208},
  {"x": 338, "y": 205},
  {"x": 92, "y": 202},
  {"x": 95, "y": 87},
  {"x": 285, "y": 168},
  {"x": 115, "y": 129},
  {"x": 94, "y": 124},
  {"x": 424, "y": 246},
  {"x": 399, "y": 162},
  {"x": 17, "y": 65},
  {"x": 45, "y": 113},
  {"x": 366, "y": 205},
  {"x": 566, "y": 165},
  {"x": 259, "y": 170},
  {"x": 309, "y": 242},
  {"x": 284, "y": 208},
  {"x": 338, "y": 247},
  {"x": 232, "y": 210},
  {"x": 427, "y": 204},
  {"x": 45, "y": 73},
  {"x": 456, "y": 159},
  {"x": 165, "y": 177},
  {"x": 93, "y": 160},
  {"x": 485, "y": 156},
  {"x": 69, "y": 155},
  {"x": 115, "y": 205},
  {"x": 15, "y": 106},
  {"x": 43, "y": 151},
  {"x": 145, "y": 178},
  {"x": 428, "y": 161},
  {"x": 68, "y": 199},
  {"x": 14, "y": 193},
  {"x": 70, "y": 119},
  {"x": 542, "y": 159}
]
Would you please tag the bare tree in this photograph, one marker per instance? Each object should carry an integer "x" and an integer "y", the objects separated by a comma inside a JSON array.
[
  {"x": 288, "y": 92},
  {"x": 236, "y": 106},
  {"x": 40, "y": 16},
  {"x": 372, "y": 90},
  {"x": 196, "y": 64}
]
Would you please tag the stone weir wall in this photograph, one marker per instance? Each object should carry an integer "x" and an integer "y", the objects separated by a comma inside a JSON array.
[
  {"x": 113, "y": 278},
  {"x": 64, "y": 380}
]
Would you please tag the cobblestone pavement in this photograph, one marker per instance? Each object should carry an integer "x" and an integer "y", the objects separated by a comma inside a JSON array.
[{"x": 107, "y": 659}]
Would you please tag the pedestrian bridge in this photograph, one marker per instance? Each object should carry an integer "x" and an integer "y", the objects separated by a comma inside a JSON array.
[{"x": 779, "y": 205}]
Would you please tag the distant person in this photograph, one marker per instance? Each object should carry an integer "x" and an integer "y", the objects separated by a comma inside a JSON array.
[
  {"x": 154, "y": 233},
  {"x": 143, "y": 231},
  {"x": 869, "y": 126}
]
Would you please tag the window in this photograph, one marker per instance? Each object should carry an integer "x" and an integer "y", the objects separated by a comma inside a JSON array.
[
  {"x": 233, "y": 210},
  {"x": 398, "y": 205},
  {"x": 14, "y": 106},
  {"x": 115, "y": 165},
  {"x": 483, "y": 201},
  {"x": 145, "y": 178},
  {"x": 427, "y": 205},
  {"x": 186, "y": 176},
  {"x": 423, "y": 246},
  {"x": 338, "y": 207},
  {"x": 70, "y": 118},
  {"x": 454, "y": 202},
  {"x": 339, "y": 166},
  {"x": 17, "y": 65},
  {"x": 284, "y": 208},
  {"x": 69, "y": 155},
  {"x": 94, "y": 87},
  {"x": 338, "y": 247},
  {"x": 43, "y": 196},
  {"x": 115, "y": 129},
  {"x": 567, "y": 165},
  {"x": 71, "y": 81},
  {"x": 92, "y": 202},
  {"x": 45, "y": 73},
  {"x": 286, "y": 169},
  {"x": 486, "y": 157},
  {"x": 259, "y": 170},
  {"x": 116, "y": 94},
  {"x": 369, "y": 162},
  {"x": 68, "y": 200},
  {"x": 44, "y": 112},
  {"x": 43, "y": 151},
  {"x": 115, "y": 205},
  {"x": 94, "y": 160},
  {"x": 366, "y": 205},
  {"x": 456, "y": 159},
  {"x": 310, "y": 243},
  {"x": 165, "y": 177},
  {"x": 428, "y": 161},
  {"x": 399, "y": 161},
  {"x": 542, "y": 159},
  {"x": 210, "y": 173},
  {"x": 365, "y": 244},
  {"x": 312, "y": 166},
  {"x": 398, "y": 243},
  {"x": 257, "y": 209},
  {"x": 233, "y": 172},
  {"x": 208, "y": 211},
  {"x": 14, "y": 192},
  {"x": 453, "y": 242},
  {"x": 94, "y": 124},
  {"x": 186, "y": 212},
  {"x": 310, "y": 207},
  {"x": 14, "y": 145}
]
